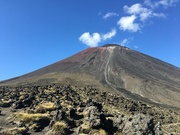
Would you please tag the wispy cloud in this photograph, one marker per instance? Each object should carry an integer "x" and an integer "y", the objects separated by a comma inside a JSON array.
[
  {"x": 134, "y": 9},
  {"x": 94, "y": 39},
  {"x": 136, "y": 47},
  {"x": 110, "y": 14},
  {"x": 143, "y": 12},
  {"x": 109, "y": 35},
  {"x": 125, "y": 41},
  {"x": 159, "y": 15},
  {"x": 127, "y": 23},
  {"x": 137, "y": 9},
  {"x": 157, "y": 3}
]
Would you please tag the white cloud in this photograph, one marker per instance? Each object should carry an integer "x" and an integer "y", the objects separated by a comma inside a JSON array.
[
  {"x": 159, "y": 15},
  {"x": 110, "y": 14},
  {"x": 109, "y": 35},
  {"x": 136, "y": 47},
  {"x": 145, "y": 15},
  {"x": 134, "y": 9},
  {"x": 127, "y": 23},
  {"x": 149, "y": 3},
  {"x": 141, "y": 12},
  {"x": 94, "y": 39},
  {"x": 124, "y": 42},
  {"x": 164, "y": 3},
  {"x": 91, "y": 41},
  {"x": 138, "y": 9}
]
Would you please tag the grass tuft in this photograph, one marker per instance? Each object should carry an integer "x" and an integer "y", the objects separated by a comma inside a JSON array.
[
  {"x": 14, "y": 131},
  {"x": 31, "y": 117},
  {"x": 60, "y": 126},
  {"x": 5, "y": 103},
  {"x": 44, "y": 107}
]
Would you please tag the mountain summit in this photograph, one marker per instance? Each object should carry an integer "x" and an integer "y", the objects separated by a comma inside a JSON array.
[{"x": 116, "y": 68}]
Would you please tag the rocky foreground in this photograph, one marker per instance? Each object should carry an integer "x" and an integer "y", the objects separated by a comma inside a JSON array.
[{"x": 63, "y": 110}]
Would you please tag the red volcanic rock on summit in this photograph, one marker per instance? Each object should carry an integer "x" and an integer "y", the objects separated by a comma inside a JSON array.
[{"x": 128, "y": 72}]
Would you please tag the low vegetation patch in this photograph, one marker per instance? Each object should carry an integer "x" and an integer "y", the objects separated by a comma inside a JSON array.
[
  {"x": 31, "y": 118},
  {"x": 5, "y": 103},
  {"x": 98, "y": 132},
  {"x": 172, "y": 128},
  {"x": 35, "y": 122},
  {"x": 14, "y": 131},
  {"x": 46, "y": 106},
  {"x": 59, "y": 126}
]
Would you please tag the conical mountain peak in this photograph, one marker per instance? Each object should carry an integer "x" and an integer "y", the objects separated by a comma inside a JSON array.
[
  {"x": 111, "y": 45},
  {"x": 111, "y": 66}
]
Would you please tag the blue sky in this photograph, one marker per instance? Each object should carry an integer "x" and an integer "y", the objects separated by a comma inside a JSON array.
[{"x": 36, "y": 33}]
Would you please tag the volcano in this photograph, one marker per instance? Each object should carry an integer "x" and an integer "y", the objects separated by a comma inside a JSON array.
[{"x": 113, "y": 68}]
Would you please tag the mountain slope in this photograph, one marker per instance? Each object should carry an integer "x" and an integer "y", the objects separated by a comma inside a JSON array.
[{"x": 133, "y": 74}]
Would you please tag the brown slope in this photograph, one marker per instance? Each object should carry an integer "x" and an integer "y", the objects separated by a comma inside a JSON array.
[{"x": 134, "y": 74}]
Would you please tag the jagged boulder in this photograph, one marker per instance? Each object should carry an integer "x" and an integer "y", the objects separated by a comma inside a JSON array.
[
  {"x": 118, "y": 122},
  {"x": 138, "y": 124},
  {"x": 92, "y": 115}
]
